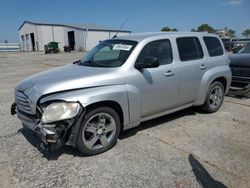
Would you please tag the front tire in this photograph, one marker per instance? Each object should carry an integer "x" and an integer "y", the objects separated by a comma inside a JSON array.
[
  {"x": 99, "y": 131},
  {"x": 214, "y": 97}
]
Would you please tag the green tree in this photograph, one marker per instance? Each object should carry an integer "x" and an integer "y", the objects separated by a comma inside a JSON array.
[
  {"x": 205, "y": 27},
  {"x": 231, "y": 33},
  {"x": 246, "y": 33},
  {"x": 166, "y": 28},
  {"x": 193, "y": 30}
]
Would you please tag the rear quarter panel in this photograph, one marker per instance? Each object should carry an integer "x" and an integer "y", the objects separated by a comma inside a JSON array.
[
  {"x": 217, "y": 67},
  {"x": 211, "y": 75}
]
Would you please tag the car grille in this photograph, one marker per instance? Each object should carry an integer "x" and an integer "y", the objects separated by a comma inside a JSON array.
[
  {"x": 240, "y": 79},
  {"x": 22, "y": 102}
]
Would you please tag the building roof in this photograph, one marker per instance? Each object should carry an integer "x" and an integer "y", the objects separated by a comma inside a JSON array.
[{"x": 90, "y": 27}]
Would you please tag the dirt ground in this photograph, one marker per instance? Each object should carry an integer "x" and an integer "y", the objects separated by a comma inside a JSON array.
[{"x": 176, "y": 150}]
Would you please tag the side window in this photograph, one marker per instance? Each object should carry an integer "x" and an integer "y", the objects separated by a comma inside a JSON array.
[
  {"x": 160, "y": 49},
  {"x": 189, "y": 48},
  {"x": 213, "y": 46}
]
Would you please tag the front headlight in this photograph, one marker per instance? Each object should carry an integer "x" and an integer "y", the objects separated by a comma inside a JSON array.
[{"x": 60, "y": 111}]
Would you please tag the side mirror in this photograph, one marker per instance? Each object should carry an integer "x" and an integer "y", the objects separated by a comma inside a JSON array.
[{"x": 148, "y": 62}]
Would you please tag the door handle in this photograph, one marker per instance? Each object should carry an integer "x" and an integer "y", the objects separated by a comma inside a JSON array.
[
  {"x": 203, "y": 66},
  {"x": 169, "y": 73}
]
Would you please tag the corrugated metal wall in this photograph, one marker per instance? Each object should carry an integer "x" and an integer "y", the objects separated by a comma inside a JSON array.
[{"x": 43, "y": 34}]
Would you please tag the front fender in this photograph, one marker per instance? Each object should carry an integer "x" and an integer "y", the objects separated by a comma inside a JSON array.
[
  {"x": 209, "y": 77},
  {"x": 88, "y": 96},
  {"x": 135, "y": 104}
]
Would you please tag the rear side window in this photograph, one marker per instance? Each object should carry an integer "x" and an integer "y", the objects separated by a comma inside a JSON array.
[
  {"x": 213, "y": 46},
  {"x": 189, "y": 48},
  {"x": 161, "y": 49}
]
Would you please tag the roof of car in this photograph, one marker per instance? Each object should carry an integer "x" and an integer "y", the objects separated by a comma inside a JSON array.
[{"x": 141, "y": 36}]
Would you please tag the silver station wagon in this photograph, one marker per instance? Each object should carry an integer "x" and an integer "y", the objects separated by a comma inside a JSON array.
[{"x": 121, "y": 83}]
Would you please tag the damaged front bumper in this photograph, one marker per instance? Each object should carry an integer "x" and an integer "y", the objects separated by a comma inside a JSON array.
[
  {"x": 53, "y": 135},
  {"x": 47, "y": 136}
]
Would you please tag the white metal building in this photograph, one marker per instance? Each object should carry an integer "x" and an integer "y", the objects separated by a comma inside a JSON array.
[{"x": 33, "y": 36}]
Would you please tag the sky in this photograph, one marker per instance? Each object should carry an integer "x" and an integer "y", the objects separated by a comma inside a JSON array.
[{"x": 143, "y": 15}]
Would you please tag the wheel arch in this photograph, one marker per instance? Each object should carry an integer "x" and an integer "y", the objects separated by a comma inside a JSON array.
[
  {"x": 111, "y": 104},
  {"x": 223, "y": 80},
  {"x": 221, "y": 74}
]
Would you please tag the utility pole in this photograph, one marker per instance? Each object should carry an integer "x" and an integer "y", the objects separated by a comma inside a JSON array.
[{"x": 6, "y": 42}]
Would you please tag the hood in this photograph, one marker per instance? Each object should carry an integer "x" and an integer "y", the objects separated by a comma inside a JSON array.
[
  {"x": 69, "y": 77},
  {"x": 239, "y": 60}
]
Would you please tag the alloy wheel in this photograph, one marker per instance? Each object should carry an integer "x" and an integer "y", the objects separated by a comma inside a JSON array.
[
  {"x": 99, "y": 131},
  {"x": 216, "y": 97}
]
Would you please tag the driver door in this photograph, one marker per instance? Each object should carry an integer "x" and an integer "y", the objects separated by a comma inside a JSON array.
[{"x": 158, "y": 86}]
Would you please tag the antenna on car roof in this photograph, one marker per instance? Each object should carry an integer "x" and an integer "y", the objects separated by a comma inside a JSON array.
[{"x": 115, "y": 36}]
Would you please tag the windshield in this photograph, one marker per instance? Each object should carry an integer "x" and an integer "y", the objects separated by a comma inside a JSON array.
[
  {"x": 245, "y": 50},
  {"x": 109, "y": 53}
]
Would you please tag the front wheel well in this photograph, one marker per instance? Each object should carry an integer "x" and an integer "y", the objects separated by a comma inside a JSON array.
[
  {"x": 223, "y": 80},
  {"x": 112, "y": 104}
]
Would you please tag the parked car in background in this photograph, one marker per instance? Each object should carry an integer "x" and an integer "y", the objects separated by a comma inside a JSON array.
[
  {"x": 240, "y": 67},
  {"x": 237, "y": 48},
  {"x": 228, "y": 44},
  {"x": 121, "y": 83}
]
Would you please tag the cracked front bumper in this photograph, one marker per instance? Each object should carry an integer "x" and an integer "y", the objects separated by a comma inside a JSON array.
[
  {"x": 53, "y": 135},
  {"x": 47, "y": 135},
  {"x": 50, "y": 134}
]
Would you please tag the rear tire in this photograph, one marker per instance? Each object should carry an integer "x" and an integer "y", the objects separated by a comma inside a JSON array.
[
  {"x": 99, "y": 131},
  {"x": 214, "y": 97}
]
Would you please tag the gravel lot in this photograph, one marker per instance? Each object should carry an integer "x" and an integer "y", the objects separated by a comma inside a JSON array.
[{"x": 158, "y": 153}]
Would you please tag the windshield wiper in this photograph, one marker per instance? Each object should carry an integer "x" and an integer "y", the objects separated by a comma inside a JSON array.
[
  {"x": 77, "y": 62},
  {"x": 90, "y": 63}
]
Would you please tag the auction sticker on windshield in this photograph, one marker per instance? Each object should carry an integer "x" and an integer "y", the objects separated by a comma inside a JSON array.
[{"x": 122, "y": 47}]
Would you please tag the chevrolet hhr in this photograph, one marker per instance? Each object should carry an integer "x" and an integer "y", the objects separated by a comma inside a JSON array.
[{"x": 119, "y": 84}]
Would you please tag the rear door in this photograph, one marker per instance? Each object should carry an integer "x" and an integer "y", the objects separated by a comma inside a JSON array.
[
  {"x": 215, "y": 52},
  {"x": 192, "y": 67}
]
